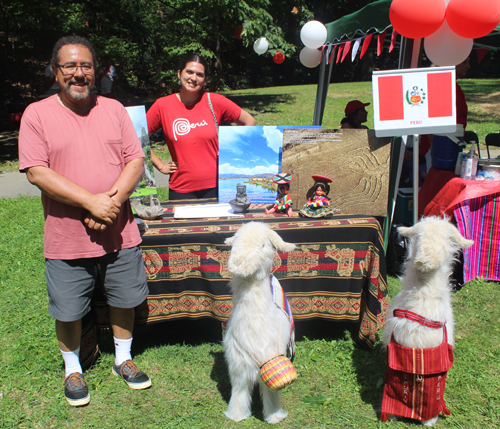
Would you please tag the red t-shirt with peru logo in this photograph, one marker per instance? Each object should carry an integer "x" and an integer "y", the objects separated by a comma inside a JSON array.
[{"x": 191, "y": 137}]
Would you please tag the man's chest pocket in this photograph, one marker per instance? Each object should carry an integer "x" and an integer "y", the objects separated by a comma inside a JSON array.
[{"x": 114, "y": 151}]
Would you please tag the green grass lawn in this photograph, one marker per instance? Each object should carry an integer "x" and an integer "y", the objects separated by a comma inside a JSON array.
[
  {"x": 339, "y": 385},
  {"x": 294, "y": 105}
]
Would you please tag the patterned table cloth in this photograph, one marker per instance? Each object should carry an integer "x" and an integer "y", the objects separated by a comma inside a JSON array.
[{"x": 337, "y": 271}]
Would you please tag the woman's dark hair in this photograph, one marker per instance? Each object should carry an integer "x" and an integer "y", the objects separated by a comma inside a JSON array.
[
  {"x": 192, "y": 57},
  {"x": 350, "y": 119},
  {"x": 72, "y": 40}
]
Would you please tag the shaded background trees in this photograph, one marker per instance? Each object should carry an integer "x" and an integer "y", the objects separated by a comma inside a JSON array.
[{"x": 147, "y": 38}]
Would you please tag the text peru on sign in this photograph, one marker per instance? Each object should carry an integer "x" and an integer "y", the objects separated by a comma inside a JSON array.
[{"x": 414, "y": 101}]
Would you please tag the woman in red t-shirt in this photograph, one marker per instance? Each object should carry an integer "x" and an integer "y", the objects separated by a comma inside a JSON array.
[{"x": 189, "y": 120}]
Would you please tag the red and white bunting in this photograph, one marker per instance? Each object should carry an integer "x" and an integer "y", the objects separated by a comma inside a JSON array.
[
  {"x": 355, "y": 48},
  {"x": 380, "y": 42},
  {"x": 481, "y": 52},
  {"x": 333, "y": 52},
  {"x": 347, "y": 49},
  {"x": 393, "y": 40},
  {"x": 339, "y": 52},
  {"x": 366, "y": 43}
]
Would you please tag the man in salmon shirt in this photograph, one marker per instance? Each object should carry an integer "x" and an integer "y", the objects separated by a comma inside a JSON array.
[{"x": 83, "y": 153}]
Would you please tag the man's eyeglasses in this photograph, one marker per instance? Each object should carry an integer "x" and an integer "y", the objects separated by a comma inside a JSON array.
[{"x": 71, "y": 68}]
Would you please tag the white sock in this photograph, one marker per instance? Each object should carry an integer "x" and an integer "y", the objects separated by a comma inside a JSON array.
[
  {"x": 122, "y": 350},
  {"x": 72, "y": 362}
]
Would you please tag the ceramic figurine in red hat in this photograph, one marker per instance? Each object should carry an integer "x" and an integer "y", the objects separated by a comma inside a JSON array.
[
  {"x": 283, "y": 203},
  {"x": 355, "y": 115},
  {"x": 319, "y": 203}
]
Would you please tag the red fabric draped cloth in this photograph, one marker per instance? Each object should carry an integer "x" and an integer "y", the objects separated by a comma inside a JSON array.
[{"x": 415, "y": 378}]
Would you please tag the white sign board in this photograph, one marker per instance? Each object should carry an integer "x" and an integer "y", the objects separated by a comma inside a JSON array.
[{"x": 414, "y": 101}]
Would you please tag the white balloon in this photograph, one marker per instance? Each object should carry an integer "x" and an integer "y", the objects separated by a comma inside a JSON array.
[
  {"x": 446, "y": 48},
  {"x": 260, "y": 45},
  {"x": 309, "y": 57},
  {"x": 313, "y": 34}
]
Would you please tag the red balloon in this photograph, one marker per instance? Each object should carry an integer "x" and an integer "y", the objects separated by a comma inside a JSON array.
[
  {"x": 473, "y": 18},
  {"x": 417, "y": 19},
  {"x": 278, "y": 57},
  {"x": 237, "y": 32}
]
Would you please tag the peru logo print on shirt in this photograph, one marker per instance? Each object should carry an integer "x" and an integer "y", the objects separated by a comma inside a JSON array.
[{"x": 182, "y": 126}]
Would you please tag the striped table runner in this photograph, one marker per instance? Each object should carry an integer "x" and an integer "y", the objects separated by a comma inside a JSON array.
[{"x": 478, "y": 219}]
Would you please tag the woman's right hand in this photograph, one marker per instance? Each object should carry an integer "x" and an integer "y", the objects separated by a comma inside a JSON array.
[{"x": 168, "y": 168}]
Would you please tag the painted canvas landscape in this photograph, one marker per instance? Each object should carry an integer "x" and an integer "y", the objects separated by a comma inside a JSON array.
[
  {"x": 250, "y": 156},
  {"x": 147, "y": 184}
]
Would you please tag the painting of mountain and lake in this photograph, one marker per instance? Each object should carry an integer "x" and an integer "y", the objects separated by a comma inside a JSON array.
[{"x": 250, "y": 156}]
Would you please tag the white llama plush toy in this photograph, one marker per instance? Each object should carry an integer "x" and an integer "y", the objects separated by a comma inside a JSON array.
[
  {"x": 258, "y": 328},
  {"x": 419, "y": 330}
]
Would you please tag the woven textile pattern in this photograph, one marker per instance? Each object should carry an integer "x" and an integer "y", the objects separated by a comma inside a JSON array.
[{"x": 479, "y": 220}]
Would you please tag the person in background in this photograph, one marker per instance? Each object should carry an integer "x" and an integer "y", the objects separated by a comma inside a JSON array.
[
  {"x": 461, "y": 105},
  {"x": 51, "y": 83},
  {"x": 107, "y": 78},
  {"x": 83, "y": 152},
  {"x": 355, "y": 115},
  {"x": 190, "y": 122}
]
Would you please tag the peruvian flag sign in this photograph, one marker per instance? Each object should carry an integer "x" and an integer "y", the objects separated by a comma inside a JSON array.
[{"x": 414, "y": 101}]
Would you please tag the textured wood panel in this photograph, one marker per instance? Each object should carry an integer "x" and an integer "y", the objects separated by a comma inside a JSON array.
[{"x": 356, "y": 160}]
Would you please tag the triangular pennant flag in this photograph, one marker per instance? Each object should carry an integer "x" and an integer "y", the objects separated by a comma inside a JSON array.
[
  {"x": 380, "y": 42},
  {"x": 347, "y": 48},
  {"x": 339, "y": 52},
  {"x": 481, "y": 52},
  {"x": 393, "y": 40},
  {"x": 327, "y": 55},
  {"x": 333, "y": 52},
  {"x": 355, "y": 48},
  {"x": 322, "y": 50},
  {"x": 366, "y": 43}
]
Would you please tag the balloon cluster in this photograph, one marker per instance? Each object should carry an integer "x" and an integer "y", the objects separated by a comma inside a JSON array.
[
  {"x": 313, "y": 34},
  {"x": 261, "y": 46},
  {"x": 448, "y": 27}
]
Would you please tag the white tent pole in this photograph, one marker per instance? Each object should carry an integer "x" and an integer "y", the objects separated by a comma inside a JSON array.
[
  {"x": 415, "y": 55},
  {"x": 325, "y": 73},
  {"x": 416, "y": 175}
]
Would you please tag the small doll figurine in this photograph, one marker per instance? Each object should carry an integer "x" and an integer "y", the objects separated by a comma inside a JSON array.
[
  {"x": 318, "y": 205},
  {"x": 283, "y": 203}
]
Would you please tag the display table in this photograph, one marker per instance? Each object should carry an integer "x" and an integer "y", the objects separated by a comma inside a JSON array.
[
  {"x": 476, "y": 209},
  {"x": 337, "y": 271},
  {"x": 439, "y": 189}
]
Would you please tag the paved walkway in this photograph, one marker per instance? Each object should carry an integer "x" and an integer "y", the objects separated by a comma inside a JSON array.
[{"x": 14, "y": 184}]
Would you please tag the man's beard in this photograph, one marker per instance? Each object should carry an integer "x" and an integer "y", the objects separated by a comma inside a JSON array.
[{"x": 77, "y": 96}]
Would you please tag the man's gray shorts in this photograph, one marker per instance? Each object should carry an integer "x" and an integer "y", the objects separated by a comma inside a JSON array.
[{"x": 71, "y": 283}]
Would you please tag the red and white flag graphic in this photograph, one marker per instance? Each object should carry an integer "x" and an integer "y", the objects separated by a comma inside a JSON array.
[{"x": 414, "y": 101}]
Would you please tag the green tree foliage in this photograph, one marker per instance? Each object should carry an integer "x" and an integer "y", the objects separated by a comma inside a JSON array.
[{"x": 146, "y": 39}]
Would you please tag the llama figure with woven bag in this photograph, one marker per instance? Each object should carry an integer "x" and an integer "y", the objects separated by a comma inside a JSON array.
[
  {"x": 420, "y": 325},
  {"x": 260, "y": 330}
]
